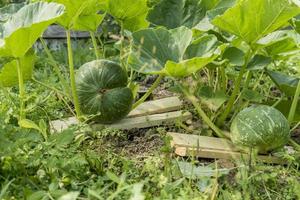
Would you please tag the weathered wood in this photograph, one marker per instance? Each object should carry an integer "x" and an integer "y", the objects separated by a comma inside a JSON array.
[
  {"x": 147, "y": 121},
  {"x": 58, "y": 32},
  {"x": 157, "y": 106},
  {"x": 211, "y": 147},
  {"x": 148, "y": 108}
]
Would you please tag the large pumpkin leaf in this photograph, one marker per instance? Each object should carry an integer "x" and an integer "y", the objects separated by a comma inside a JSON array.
[
  {"x": 285, "y": 83},
  {"x": 171, "y": 52},
  {"x": 253, "y": 19},
  {"x": 7, "y": 11},
  {"x": 280, "y": 42},
  {"x": 176, "y": 13},
  {"x": 22, "y": 30},
  {"x": 130, "y": 13},
  {"x": 9, "y": 72},
  {"x": 81, "y": 15},
  {"x": 220, "y": 8}
]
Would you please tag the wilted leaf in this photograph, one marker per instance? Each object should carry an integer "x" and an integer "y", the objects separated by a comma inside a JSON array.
[{"x": 191, "y": 171}]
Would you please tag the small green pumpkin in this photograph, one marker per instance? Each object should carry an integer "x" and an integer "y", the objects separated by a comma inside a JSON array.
[
  {"x": 102, "y": 91},
  {"x": 261, "y": 127}
]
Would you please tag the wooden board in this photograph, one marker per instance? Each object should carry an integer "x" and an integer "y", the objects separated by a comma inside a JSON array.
[
  {"x": 211, "y": 147},
  {"x": 148, "y": 121},
  {"x": 157, "y": 106},
  {"x": 57, "y": 32},
  {"x": 148, "y": 108}
]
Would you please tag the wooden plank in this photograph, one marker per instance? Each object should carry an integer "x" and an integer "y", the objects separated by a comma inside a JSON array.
[
  {"x": 157, "y": 106},
  {"x": 147, "y": 108},
  {"x": 147, "y": 121},
  {"x": 58, "y": 32},
  {"x": 210, "y": 147}
]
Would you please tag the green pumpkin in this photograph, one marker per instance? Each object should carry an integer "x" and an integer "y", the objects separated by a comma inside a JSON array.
[
  {"x": 102, "y": 91},
  {"x": 261, "y": 127}
]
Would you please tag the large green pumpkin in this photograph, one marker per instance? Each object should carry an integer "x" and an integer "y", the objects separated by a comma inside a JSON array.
[
  {"x": 102, "y": 91},
  {"x": 261, "y": 127}
]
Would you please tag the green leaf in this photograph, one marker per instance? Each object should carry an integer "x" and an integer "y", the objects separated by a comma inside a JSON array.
[
  {"x": 252, "y": 96},
  {"x": 81, "y": 15},
  {"x": 259, "y": 62},
  {"x": 235, "y": 56},
  {"x": 175, "y": 13},
  {"x": 7, "y": 11},
  {"x": 9, "y": 72},
  {"x": 212, "y": 99},
  {"x": 22, "y": 30},
  {"x": 220, "y": 8},
  {"x": 280, "y": 42},
  {"x": 130, "y": 13},
  {"x": 171, "y": 52},
  {"x": 37, "y": 195},
  {"x": 202, "y": 46},
  {"x": 285, "y": 83},
  {"x": 254, "y": 19},
  {"x": 26, "y": 123}
]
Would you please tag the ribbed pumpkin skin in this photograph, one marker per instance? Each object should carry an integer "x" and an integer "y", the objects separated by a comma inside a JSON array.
[
  {"x": 102, "y": 91},
  {"x": 262, "y": 127}
]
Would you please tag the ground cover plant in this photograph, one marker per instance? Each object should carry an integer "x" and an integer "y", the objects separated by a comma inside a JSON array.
[{"x": 234, "y": 62}]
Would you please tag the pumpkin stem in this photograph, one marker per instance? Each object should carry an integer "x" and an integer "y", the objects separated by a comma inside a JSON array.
[
  {"x": 72, "y": 76},
  {"x": 102, "y": 91},
  {"x": 21, "y": 90},
  {"x": 237, "y": 86},
  {"x": 149, "y": 92},
  {"x": 201, "y": 113}
]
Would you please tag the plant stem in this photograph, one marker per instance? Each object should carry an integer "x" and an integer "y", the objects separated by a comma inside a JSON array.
[
  {"x": 223, "y": 78},
  {"x": 294, "y": 144},
  {"x": 48, "y": 87},
  {"x": 149, "y": 92},
  {"x": 122, "y": 48},
  {"x": 201, "y": 113},
  {"x": 72, "y": 76},
  {"x": 295, "y": 127},
  {"x": 21, "y": 90},
  {"x": 237, "y": 86},
  {"x": 294, "y": 104},
  {"x": 55, "y": 66},
  {"x": 95, "y": 44}
]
